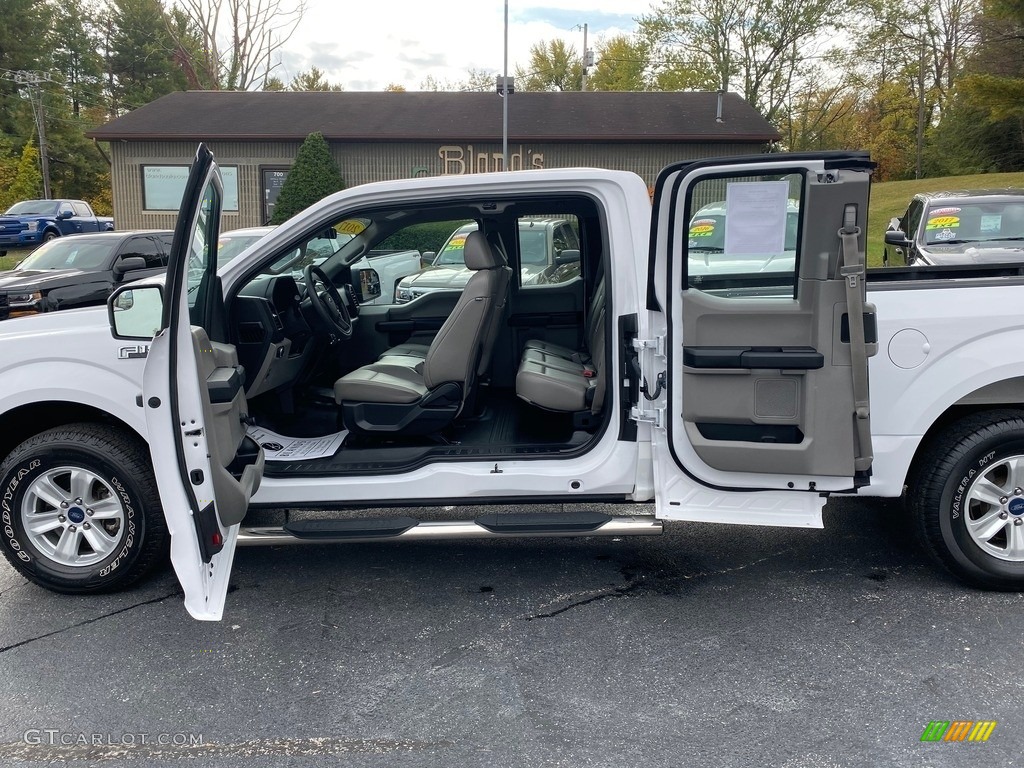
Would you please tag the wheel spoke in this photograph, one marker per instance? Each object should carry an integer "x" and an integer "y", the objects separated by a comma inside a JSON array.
[
  {"x": 1015, "y": 465},
  {"x": 81, "y": 483},
  {"x": 43, "y": 522},
  {"x": 106, "y": 509},
  {"x": 987, "y": 491},
  {"x": 47, "y": 491},
  {"x": 1015, "y": 542},
  {"x": 67, "y": 547},
  {"x": 99, "y": 539},
  {"x": 987, "y": 526}
]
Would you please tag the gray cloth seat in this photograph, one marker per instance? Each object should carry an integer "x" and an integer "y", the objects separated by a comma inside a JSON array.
[
  {"x": 420, "y": 349},
  {"x": 411, "y": 395},
  {"x": 557, "y": 384}
]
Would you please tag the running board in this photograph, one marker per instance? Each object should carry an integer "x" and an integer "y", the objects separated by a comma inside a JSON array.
[{"x": 491, "y": 526}]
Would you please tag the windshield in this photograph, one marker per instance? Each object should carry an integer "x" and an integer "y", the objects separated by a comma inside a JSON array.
[
  {"x": 454, "y": 251},
  {"x": 70, "y": 253},
  {"x": 230, "y": 246},
  {"x": 974, "y": 222},
  {"x": 31, "y": 207}
]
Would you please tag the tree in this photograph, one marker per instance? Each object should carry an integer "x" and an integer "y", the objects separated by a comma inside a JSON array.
[
  {"x": 75, "y": 39},
  {"x": 28, "y": 181},
  {"x": 553, "y": 66},
  {"x": 313, "y": 80},
  {"x": 140, "y": 55},
  {"x": 622, "y": 64},
  {"x": 394, "y": 88},
  {"x": 313, "y": 176},
  {"x": 239, "y": 41},
  {"x": 755, "y": 47},
  {"x": 23, "y": 25}
]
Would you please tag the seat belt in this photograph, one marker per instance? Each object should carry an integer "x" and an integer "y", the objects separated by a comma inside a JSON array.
[{"x": 853, "y": 272}]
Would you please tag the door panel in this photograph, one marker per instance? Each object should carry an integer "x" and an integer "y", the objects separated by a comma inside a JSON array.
[
  {"x": 206, "y": 469},
  {"x": 761, "y": 391}
]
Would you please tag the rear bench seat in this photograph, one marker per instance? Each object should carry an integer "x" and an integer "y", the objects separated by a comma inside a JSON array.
[{"x": 557, "y": 378}]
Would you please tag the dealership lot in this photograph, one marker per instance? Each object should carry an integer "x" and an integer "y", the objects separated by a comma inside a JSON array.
[{"x": 710, "y": 645}]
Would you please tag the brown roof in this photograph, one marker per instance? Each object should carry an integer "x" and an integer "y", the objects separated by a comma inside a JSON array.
[{"x": 433, "y": 115}]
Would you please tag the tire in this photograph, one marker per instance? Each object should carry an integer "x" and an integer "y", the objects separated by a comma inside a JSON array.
[
  {"x": 965, "y": 493},
  {"x": 48, "y": 236},
  {"x": 54, "y": 488}
]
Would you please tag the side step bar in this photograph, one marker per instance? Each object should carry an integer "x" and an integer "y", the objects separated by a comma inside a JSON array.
[{"x": 490, "y": 526}]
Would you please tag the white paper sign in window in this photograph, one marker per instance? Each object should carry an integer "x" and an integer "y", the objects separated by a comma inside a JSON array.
[{"x": 755, "y": 216}]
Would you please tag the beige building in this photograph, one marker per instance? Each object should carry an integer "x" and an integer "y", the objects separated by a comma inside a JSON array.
[{"x": 378, "y": 136}]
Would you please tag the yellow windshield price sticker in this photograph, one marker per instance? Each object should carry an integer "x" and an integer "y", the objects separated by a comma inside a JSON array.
[
  {"x": 351, "y": 227},
  {"x": 942, "y": 222},
  {"x": 702, "y": 228}
]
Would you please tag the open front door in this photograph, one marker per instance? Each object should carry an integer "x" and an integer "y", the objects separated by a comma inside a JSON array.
[
  {"x": 206, "y": 468},
  {"x": 760, "y": 327}
]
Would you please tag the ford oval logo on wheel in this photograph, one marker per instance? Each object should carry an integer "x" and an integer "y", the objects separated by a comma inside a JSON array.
[{"x": 1016, "y": 507}]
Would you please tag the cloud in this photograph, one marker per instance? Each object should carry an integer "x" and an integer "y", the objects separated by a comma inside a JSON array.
[{"x": 565, "y": 18}]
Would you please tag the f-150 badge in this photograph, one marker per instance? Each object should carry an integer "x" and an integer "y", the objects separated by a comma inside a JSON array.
[{"x": 133, "y": 352}]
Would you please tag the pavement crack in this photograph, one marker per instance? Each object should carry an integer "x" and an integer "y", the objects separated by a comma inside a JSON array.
[
  {"x": 603, "y": 595},
  {"x": 93, "y": 620}
]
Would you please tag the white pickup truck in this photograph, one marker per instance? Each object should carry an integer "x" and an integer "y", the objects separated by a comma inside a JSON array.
[{"x": 740, "y": 397}]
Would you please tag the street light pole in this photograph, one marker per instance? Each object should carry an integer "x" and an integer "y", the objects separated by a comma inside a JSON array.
[{"x": 583, "y": 83}]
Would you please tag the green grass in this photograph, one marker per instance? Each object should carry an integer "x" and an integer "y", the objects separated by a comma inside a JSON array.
[
  {"x": 890, "y": 199},
  {"x": 8, "y": 262}
]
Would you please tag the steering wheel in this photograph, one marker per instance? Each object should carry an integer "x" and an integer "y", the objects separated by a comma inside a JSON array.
[{"x": 329, "y": 306}]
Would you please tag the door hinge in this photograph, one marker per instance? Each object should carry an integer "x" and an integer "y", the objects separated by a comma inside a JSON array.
[
  {"x": 657, "y": 344},
  {"x": 651, "y": 416}
]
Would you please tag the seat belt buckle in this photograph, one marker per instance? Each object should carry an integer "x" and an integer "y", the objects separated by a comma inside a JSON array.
[{"x": 588, "y": 373}]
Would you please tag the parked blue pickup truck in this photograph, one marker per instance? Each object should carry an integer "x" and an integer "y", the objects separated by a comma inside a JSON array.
[{"x": 31, "y": 222}]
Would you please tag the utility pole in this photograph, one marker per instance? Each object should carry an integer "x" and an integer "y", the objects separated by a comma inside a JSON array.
[
  {"x": 32, "y": 81},
  {"x": 588, "y": 57}
]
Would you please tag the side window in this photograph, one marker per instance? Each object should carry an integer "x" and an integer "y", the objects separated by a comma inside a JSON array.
[
  {"x": 147, "y": 249},
  {"x": 913, "y": 218},
  {"x": 81, "y": 209},
  {"x": 202, "y": 251},
  {"x": 549, "y": 249},
  {"x": 65, "y": 208},
  {"x": 742, "y": 235}
]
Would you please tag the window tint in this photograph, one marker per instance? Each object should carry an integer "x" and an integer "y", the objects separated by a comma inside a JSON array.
[{"x": 742, "y": 235}]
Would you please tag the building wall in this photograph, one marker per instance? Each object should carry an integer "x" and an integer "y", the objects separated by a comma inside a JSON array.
[{"x": 376, "y": 161}]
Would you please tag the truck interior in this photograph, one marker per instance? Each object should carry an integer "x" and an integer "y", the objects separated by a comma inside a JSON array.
[{"x": 492, "y": 369}]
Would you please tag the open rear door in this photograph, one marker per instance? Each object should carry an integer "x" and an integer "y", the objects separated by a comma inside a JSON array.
[
  {"x": 760, "y": 330},
  {"x": 206, "y": 468}
]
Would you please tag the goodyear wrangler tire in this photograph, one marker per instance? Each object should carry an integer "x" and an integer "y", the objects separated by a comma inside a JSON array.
[
  {"x": 79, "y": 510},
  {"x": 967, "y": 496}
]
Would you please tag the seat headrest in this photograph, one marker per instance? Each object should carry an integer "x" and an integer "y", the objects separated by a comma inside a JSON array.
[{"x": 479, "y": 254}]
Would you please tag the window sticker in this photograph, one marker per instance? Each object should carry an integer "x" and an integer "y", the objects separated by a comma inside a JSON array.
[
  {"x": 946, "y": 234},
  {"x": 990, "y": 222},
  {"x": 702, "y": 228},
  {"x": 755, "y": 216},
  {"x": 942, "y": 222},
  {"x": 942, "y": 211},
  {"x": 351, "y": 227}
]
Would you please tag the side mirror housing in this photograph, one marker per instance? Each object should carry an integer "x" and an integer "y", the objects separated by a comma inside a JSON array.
[
  {"x": 135, "y": 312},
  {"x": 896, "y": 237},
  {"x": 65, "y": 214},
  {"x": 368, "y": 284},
  {"x": 128, "y": 264},
  {"x": 427, "y": 258}
]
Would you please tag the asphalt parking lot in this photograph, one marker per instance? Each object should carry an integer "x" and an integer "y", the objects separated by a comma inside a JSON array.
[{"x": 708, "y": 646}]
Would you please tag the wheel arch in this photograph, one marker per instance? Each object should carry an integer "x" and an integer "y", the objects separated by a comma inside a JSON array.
[
  {"x": 978, "y": 402},
  {"x": 25, "y": 421}
]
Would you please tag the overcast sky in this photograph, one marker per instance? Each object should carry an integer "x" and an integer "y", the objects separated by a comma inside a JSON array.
[{"x": 364, "y": 46}]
